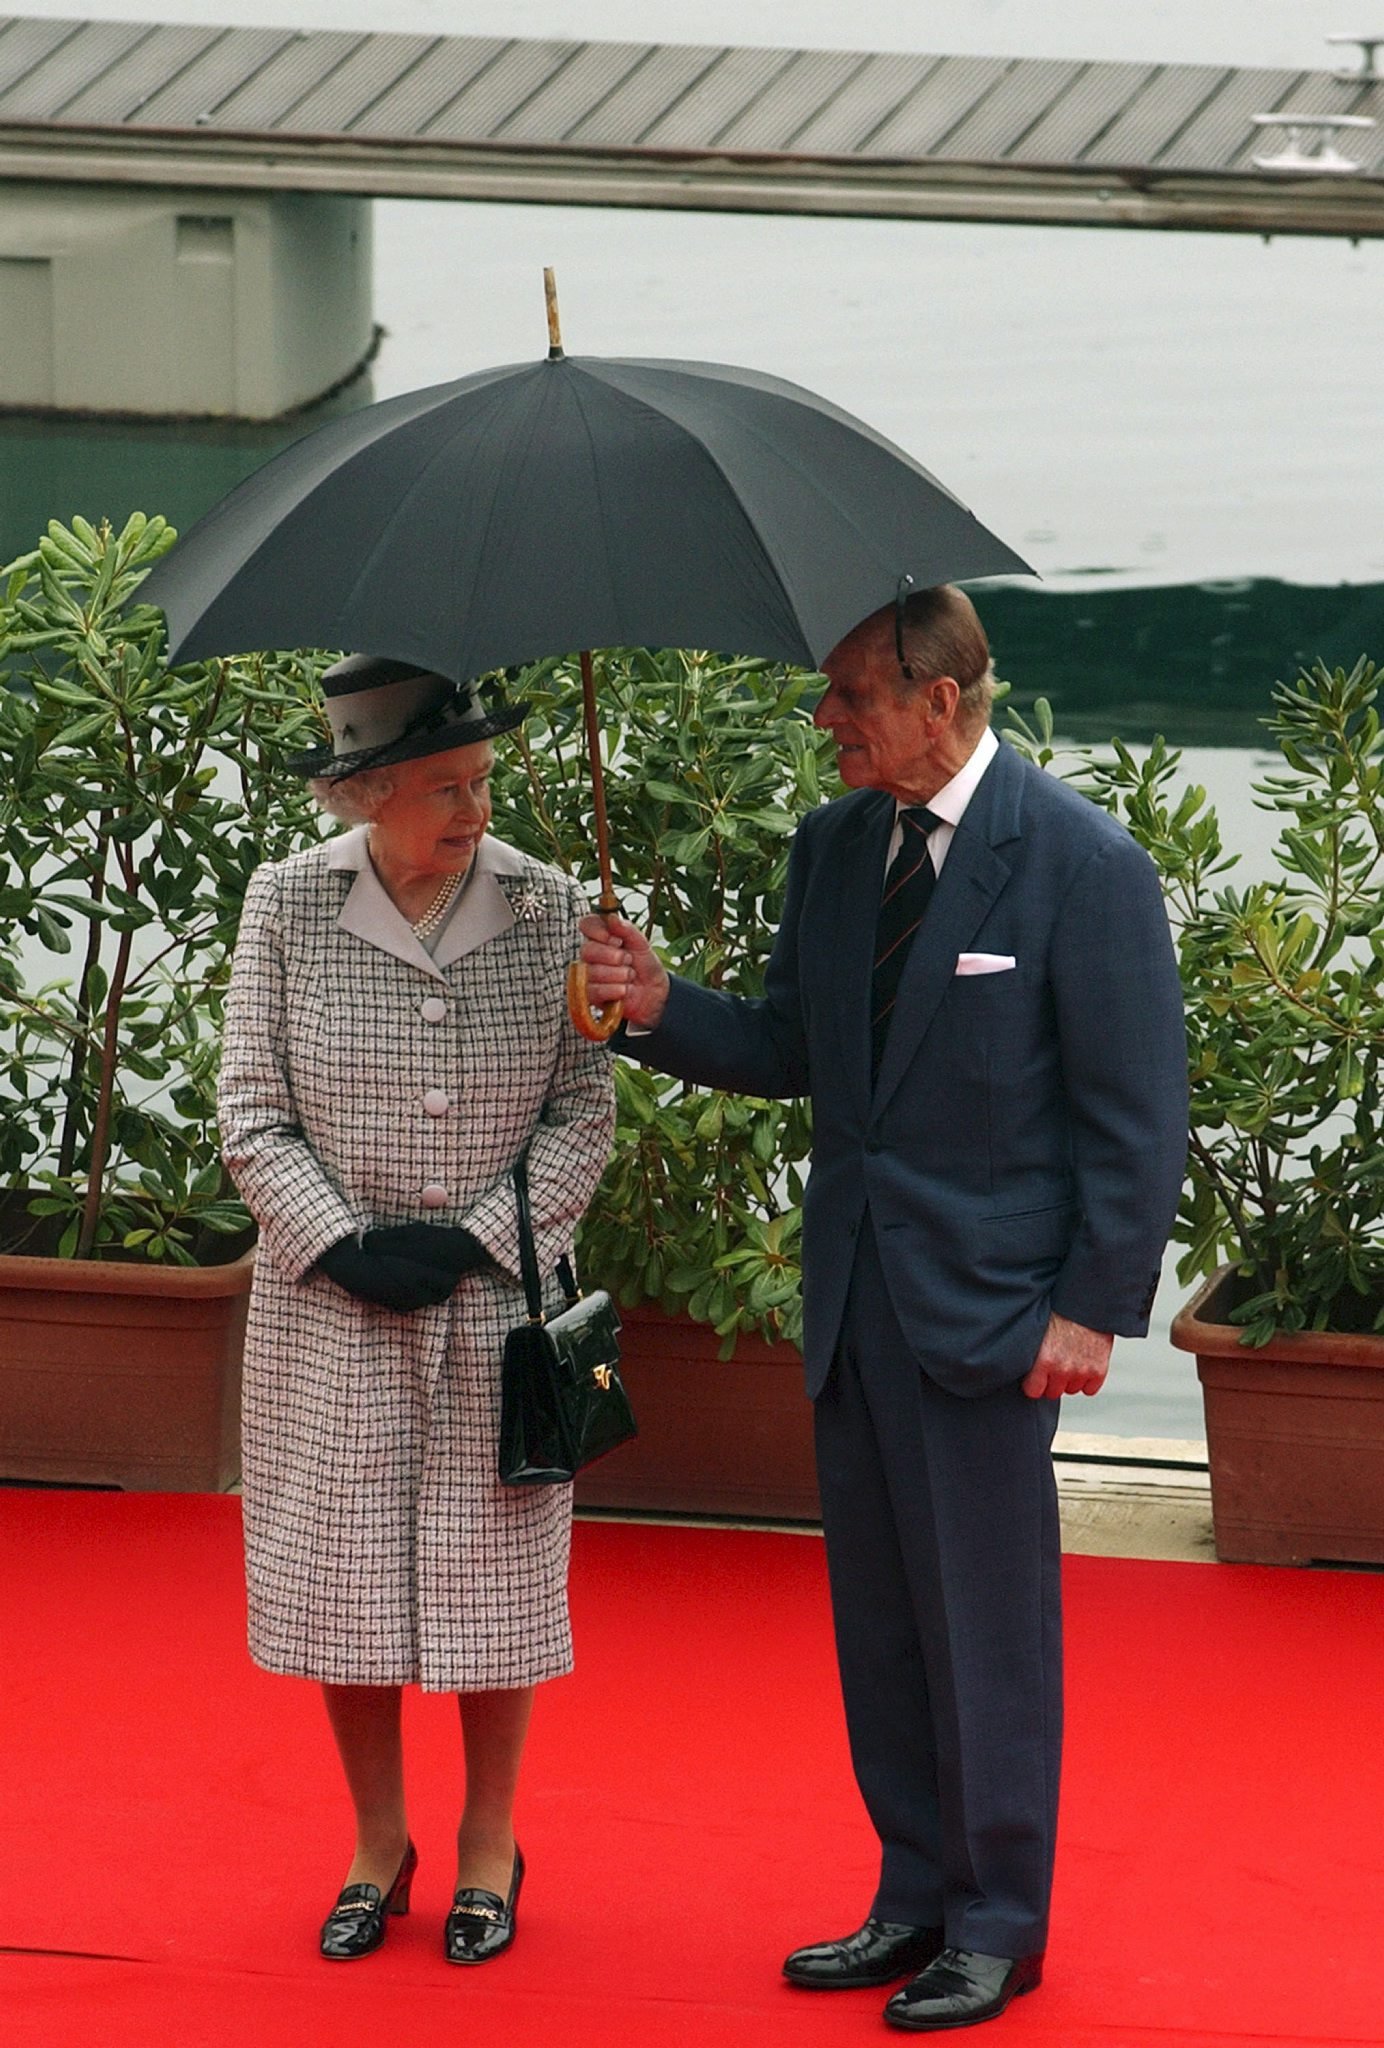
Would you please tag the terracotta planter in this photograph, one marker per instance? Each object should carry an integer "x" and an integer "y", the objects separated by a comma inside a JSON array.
[
  {"x": 121, "y": 1374},
  {"x": 716, "y": 1437},
  {"x": 1295, "y": 1437}
]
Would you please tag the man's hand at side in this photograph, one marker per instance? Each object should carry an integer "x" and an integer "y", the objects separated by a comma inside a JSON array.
[
  {"x": 1071, "y": 1360},
  {"x": 622, "y": 967}
]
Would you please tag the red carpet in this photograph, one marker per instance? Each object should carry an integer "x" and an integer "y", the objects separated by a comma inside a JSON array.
[{"x": 174, "y": 1829}]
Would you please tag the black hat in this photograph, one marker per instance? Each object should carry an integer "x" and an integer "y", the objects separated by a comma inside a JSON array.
[{"x": 381, "y": 711}]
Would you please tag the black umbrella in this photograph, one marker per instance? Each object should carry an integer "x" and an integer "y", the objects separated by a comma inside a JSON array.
[{"x": 578, "y": 502}]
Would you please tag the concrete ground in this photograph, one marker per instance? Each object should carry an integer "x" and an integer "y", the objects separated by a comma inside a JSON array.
[
  {"x": 1127, "y": 1497},
  {"x": 1118, "y": 1496}
]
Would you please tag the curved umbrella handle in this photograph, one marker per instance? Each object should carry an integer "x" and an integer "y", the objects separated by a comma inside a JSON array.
[{"x": 597, "y": 1024}]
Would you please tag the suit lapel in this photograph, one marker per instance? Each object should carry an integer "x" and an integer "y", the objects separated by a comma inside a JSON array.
[
  {"x": 368, "y": 912},
  {"x": 859, "y": 875},
  {"x": 973, "y": 875},
  {"x": 484, "y": 911}
]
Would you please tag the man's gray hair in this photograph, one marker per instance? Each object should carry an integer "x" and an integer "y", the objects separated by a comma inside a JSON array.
[
  {"x": 942, "y": 636},
  {"x": 355, "y": 799}
]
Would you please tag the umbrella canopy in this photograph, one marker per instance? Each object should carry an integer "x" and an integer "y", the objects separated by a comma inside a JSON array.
[{"x": 571, "y": 503}]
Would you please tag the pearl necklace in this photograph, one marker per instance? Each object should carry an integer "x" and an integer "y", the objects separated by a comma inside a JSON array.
[{"x": 438, "y": 908}]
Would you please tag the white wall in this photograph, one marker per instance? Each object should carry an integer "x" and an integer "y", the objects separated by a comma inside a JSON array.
[{"x": 161, "y": 302}]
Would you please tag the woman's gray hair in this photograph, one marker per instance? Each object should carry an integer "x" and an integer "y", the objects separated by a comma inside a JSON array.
[{"x": 355, "y": 799}]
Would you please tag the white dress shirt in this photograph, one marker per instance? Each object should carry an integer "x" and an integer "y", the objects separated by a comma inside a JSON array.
[{"x": 949, "y": 804}]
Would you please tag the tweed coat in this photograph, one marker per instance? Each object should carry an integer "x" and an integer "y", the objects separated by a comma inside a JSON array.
[{"x": 364, "y": 1082}]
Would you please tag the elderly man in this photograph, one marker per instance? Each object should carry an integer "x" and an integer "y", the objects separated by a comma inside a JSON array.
[{"x": 975, "y": 981}]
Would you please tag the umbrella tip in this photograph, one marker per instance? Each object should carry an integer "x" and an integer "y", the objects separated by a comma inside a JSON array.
[{"x": 554, "y": 326}]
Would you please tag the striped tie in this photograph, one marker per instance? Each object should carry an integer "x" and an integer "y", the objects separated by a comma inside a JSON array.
[{"x": 907, "y": 887}]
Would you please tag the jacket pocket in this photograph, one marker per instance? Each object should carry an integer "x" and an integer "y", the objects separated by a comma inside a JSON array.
[{"x": 1034, "y": 1233}]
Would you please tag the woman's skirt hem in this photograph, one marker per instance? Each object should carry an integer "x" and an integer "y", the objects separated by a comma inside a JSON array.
[{"x": 506, "y": 1677}]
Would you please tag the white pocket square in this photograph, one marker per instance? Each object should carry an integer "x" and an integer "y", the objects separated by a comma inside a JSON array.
[{"x": 985, "y": 963}]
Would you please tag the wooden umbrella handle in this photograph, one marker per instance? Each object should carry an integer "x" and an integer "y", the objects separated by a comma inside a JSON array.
[
  {"x": 554, "y": 323},
  {"x": 593, "y": 1022}
]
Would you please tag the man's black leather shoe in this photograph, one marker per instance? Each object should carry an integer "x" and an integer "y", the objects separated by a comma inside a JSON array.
[
  {"x": 877, "y": 1953},
  {"x": 960, "y": 1988}
]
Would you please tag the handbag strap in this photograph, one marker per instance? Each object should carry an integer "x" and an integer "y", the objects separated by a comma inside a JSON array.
[{"x": 528, "y": 1251}]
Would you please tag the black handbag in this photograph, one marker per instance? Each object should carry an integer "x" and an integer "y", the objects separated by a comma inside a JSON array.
[{"x": 562, "y": 1401}]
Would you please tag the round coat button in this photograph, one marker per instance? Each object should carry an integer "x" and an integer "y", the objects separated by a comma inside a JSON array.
[
  {"x": 433, "y": 1009},
  {"x": 436, "y": 1102},
  {"x": 433, "y": 1196}
]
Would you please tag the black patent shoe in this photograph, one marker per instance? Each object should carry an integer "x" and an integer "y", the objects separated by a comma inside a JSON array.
[
  {"x": 876, "y": 1953},
  {"x": 356, "y": 1924},
  {"x": 961, "y": 1988},
  {"x": 480, "y": 1925}
]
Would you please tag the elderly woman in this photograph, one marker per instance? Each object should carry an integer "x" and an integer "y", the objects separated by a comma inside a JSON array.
[{"x": 396, "y": 1037}]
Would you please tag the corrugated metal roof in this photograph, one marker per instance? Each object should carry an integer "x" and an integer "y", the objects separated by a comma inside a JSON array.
[
  {"x": 812, "y": 78},
  {"x": 715, "y": 101},
  {"x": 1067, "y": 128},
  {"x": 123, "y": 89},
  {"x": 390, "y": 107},
  {"x": 49, "y": 87},
  {"x": 1155, "y": 114},
  {"x": 1367, "y": 146},
  {"x": 1016, "y": 103},
  {"x": 270, "y": 97},
  {"x": 348, "y": 92},
  {"x": 405, "y": 103},
  {"x": 1218, "y": 132},
  {"x": 844, "y": 124},
  {"x": 25, "y": 44},
  {"x": 195, "y": 92},
  {"x": 635, "y": 102},
  {"x": 477, "y": 90},
  {"x": 951, "y": 92},
  {"x": 571, "y": 92},
  {"x": 497, "y": 93}
]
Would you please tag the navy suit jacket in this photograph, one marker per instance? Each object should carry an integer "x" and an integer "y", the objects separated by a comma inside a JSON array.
[{"x": 1023, "y": 1147}]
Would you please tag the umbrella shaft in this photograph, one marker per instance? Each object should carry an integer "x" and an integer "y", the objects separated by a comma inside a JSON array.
[{"x": 607, "y": 901}]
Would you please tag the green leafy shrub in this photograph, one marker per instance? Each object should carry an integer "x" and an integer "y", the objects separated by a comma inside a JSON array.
[
  {"x": 137, "y": 800},
  {"x": 134, "y": 804},
  {"x": 1284, "y": 982},
  {"x": 711, "y": 764}
]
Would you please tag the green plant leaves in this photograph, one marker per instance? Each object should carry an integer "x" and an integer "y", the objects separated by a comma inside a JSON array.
[
  {"x": 712, "y": 762},
  {"x": 1284, "y": 983},
  {"x": 134, "y": 804},
  {"x": 136, "y": 801}
]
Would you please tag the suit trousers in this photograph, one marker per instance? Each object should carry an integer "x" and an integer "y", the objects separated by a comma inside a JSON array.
[{"x": 940, "y": 1515}]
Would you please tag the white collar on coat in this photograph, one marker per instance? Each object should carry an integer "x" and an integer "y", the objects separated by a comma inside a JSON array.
[{"x": 370, "y": 913}]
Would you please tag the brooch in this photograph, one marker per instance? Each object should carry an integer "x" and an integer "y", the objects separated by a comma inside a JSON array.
[{"x": 524, "y": 900}]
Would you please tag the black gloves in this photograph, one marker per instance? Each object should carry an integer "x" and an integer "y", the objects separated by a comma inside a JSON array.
[
  {"x": 387, "y": 1281},
  {"x": 405, "y": 1266},
  {"x": 445, "y": 1247}
]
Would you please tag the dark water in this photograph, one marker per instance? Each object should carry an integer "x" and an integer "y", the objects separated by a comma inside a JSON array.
[
  {"x": 51, "y": 467},
  {"x": 1194, "y": 663}
]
